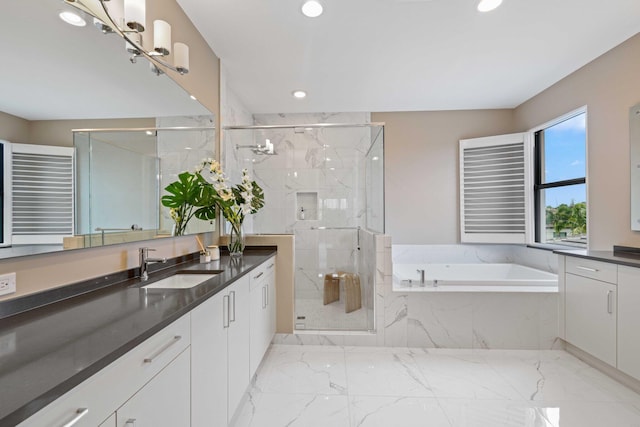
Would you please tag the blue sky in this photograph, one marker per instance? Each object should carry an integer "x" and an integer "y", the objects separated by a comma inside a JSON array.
[{"x": 565, "y": 155}]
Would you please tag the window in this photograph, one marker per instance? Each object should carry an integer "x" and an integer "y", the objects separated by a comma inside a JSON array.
[{"x": 560, "y": 193}]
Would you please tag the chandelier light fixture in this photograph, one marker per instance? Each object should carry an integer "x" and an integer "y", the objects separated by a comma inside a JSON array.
[{"x": 127, "y": 18}]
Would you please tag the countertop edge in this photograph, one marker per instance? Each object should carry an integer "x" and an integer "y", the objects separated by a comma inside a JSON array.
[{"x": 604, "y": 256}]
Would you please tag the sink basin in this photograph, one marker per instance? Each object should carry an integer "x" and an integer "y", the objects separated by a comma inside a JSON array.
[{"x": 180, "y": 281}]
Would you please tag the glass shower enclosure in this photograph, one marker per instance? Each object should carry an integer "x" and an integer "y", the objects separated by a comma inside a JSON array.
[{"x": 323, "y": 183}]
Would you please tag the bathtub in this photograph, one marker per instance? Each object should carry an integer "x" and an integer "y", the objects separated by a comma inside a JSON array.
[{"x": 472, "y": 278}]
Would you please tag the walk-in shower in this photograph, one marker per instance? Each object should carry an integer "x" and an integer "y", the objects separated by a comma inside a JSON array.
[{"x": 324, "y": 184}]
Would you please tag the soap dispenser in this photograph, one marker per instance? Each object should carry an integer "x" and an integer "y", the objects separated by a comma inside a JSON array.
[{"x": 302, "y": 212}]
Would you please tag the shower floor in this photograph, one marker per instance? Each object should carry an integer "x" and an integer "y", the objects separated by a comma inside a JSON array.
[{"x": 329, "y": 317}]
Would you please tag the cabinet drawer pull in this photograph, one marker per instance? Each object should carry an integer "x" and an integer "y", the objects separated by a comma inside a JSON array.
[
  {"x": 261, "y": 273},
  {"x": 593, "y": 270},
  {"x": 270, "y": 266},
  {"x": 232, "y": 303},
  {"x": 225, "y": 311},
  {"x": 163, "y": 349},
  {"x": 266, "y": 294},
  {"x": 130, "y": 422},
  {"x": 609, "y": 302},
  {"x": 80, "y": 412}
]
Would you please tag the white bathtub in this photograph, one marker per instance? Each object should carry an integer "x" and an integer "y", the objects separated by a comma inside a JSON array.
[{"x": 472, "y": 278}]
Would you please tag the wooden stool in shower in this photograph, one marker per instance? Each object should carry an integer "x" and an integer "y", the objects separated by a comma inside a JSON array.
[
  {"x": 331, "y": 288},
  {"x": 353, "y": 293}
]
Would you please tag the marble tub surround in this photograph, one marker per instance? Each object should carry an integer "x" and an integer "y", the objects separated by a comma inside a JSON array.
[
  {"x": 475, "y": 320},
  {"x": 372, "y": 386}
]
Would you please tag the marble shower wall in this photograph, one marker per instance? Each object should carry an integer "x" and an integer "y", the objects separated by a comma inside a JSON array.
[{"x": 181, "y": 151}]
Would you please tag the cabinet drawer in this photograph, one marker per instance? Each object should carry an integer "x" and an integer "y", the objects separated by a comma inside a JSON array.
[
  {"x": 603, "y": 271},
  {"x": 95, "y": 399},
  {"x": 260, "y": 273}
]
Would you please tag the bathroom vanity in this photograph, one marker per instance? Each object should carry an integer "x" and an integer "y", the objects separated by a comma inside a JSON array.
[
  {"x": 127, "y": 354},
  {"x": 599, "y": 300}
]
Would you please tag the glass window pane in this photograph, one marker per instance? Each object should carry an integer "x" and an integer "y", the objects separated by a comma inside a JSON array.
[
  {"x": 565, "y": 150},
  {"x": 564, "y": 215}
]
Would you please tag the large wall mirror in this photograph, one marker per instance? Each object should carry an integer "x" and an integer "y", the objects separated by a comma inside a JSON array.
[
  {"x": 134, "y": 131},
  {"x": 634, "y": 143}
]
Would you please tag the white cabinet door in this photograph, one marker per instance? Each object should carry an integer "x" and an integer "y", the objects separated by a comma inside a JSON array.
[
  {"x": 590, "y": 322},
  {"x": 258, "y": 298},
  {"x": 238, "y": 342},
  {"x": 271, "y": 305},
  {"x": 109, "y": 422},
  {"x": 162, "y": 402},
  {"x": 629, "y": 320},
  {"x": 209, "y": 325}
]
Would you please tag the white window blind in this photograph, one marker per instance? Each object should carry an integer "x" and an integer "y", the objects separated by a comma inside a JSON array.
[
  {"x": 42, "y": 193},
  {"x": 494, "y": 177}
]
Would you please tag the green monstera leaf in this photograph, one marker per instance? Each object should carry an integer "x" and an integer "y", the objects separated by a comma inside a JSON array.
[{"x": 190, "y": 196}]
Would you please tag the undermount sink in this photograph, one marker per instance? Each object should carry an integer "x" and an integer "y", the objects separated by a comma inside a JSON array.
[{"x": 180, "y": 281}]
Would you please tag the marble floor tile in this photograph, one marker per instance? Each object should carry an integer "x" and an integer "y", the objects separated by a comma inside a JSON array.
[
  {"x": 308, "y": 370},
  {"x": 367, "y": 411},
  {"x": 557, "y": 376},
  {"x": 464, "y": 375},
  {"x": 384, "y": 373},
  {"x": 336, "y": 386},
  {"x": 473, "y": 413},
  {"x": 295, "y": 410}
]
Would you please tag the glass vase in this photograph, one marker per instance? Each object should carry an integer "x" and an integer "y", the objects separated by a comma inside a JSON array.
[{"x": 236, "y": 240}]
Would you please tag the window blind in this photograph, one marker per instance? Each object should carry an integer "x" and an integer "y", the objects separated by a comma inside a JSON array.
[
  {"x": 42, "y": 194},
  {"x": 493, "y": 182}
]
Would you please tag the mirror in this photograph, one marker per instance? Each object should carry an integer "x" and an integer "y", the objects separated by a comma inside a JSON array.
[
  {"x": 58, "y": 77},
  {"x": 634, "y": 155}
]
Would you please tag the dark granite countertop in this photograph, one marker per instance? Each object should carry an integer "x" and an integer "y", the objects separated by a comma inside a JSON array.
[
  {"x": 606, "y": 256},
  {"x": 47, "y": 351}
]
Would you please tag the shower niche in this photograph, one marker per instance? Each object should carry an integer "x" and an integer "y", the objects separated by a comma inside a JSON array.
[{"x": 307, "y": 206}]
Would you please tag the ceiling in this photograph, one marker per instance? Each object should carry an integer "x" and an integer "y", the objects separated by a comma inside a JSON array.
[{"x": 405, "y": 55}]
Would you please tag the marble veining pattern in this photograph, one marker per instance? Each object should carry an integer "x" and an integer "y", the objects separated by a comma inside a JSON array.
[{"x": 344, "y": 386}]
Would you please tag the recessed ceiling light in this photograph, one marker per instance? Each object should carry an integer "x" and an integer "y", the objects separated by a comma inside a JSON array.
[
  {"x": 72, "y": 18},
  {"x": 488, "y": 5},
  {"x": 299, "y": 94},
  {"x": 150, "y": 132},
  {"x": 312, "y": 9},
  {"x": 193, "y": 97}
]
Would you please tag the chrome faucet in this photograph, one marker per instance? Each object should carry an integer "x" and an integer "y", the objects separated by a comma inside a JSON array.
[
  {"x": 145, "y": 261},
  {"x": 421, "y": 276}
]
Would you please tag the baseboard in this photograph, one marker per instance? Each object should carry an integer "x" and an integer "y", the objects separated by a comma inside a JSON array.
[{"x": 606, "y": 369}]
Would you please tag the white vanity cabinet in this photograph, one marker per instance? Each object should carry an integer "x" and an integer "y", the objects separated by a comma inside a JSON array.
[
  {"x": 209, "y": 359},
  {"x": 263, "y": 311},
  {"x": 220, "y": 355},
  {"x": 590, "y": 307},
  {"x": 109, "y": 422},
  {"x": 94, "y": 401},
  {"x": 163, "y": 401},
  {"x": 629, "y": 320}
]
